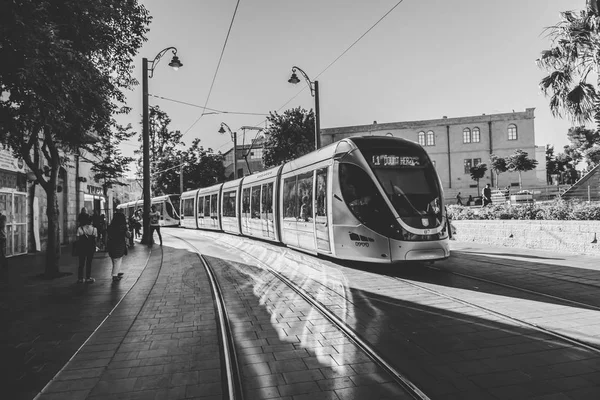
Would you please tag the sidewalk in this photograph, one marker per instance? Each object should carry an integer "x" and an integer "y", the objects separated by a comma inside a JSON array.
[{"x": 44, "y": 322}]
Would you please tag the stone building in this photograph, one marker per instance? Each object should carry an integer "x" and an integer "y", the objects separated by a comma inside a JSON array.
[
  {"x": 457, "y": 144},
  {"x": 249, "y": 159}
]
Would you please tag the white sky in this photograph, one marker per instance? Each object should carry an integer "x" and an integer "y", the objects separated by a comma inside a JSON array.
[{"x": 426, "y": 59}]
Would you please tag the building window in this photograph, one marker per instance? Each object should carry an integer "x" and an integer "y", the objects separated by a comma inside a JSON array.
[
  {"x": 476, "y": 135},
  {"x": 466, "y": 135},
  {"x": 512, "y": 132},
  {"x": 430, "y": 138},
  {"x": 471, "y": 162},
  {"x": 256, "y": 154},
  {"x": 468, "y": 165},
  {"x": 422, "y": 138}
]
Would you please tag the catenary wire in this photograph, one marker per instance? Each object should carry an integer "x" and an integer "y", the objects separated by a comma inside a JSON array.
[{"x": 218, "y": 65}]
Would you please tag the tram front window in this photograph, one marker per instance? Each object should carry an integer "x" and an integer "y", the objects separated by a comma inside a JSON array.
[
  {"x": 411, "y": 184},
  {"x": 364, "y": 200}
]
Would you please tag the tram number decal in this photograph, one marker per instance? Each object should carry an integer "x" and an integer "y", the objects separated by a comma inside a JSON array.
[{"x": 361, "y": 244}]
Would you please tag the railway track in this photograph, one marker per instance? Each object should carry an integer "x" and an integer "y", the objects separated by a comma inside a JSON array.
[
  {"x": 407, "y": 303},
  {"x": 234, "y": 379}
]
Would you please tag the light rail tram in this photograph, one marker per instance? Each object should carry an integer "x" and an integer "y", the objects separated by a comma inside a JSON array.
[
  {"x": 167, "y": 205},
  {"x": 373, "y": 198}
]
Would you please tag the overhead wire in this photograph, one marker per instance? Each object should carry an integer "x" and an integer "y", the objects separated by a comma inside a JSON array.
[
  {"x": 215, "y": 111},
  {"x": 218, "y": 66},
  {"x": 341, "y": 55},
  {"x": 299, "y": 92}
]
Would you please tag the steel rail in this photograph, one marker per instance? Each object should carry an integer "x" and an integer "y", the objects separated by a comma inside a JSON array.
[{"x": 398, "y": 377}]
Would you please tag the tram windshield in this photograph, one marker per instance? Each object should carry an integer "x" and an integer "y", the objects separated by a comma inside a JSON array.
[{"x": 408, "y": 178}]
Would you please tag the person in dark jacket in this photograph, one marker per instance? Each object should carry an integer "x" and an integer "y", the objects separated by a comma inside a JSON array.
[
  {"x": 82, "y": 217},
  {"x": 117, "y": 243},
  {"x": 86, "y": 247}
]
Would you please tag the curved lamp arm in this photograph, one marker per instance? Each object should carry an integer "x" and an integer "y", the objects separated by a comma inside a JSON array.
[
  {"x": 294, "y": 79},
  {"x": 175, "y": 63},
  {"x": 223, "y": 124}
]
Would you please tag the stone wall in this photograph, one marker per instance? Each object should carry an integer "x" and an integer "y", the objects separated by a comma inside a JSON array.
[{"x": 561, "y": 236}]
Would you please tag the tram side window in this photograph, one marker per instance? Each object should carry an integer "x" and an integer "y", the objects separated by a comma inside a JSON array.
[
  {"x": 229, "y": 204},
  {"x": 289, "y": 198},
  {"x": 255, "y": 204},
  {"x": 363, "y": 199},
  {"x": 188, "y": 207},
  {"x": 207, "y": 206},
  {"x": 321, "y": 195},
  {"x": 267, "y": 201},
  {"x": 213, "y": 207},
  {"x": 305, "y": 195},
  {"x": 200, "y": 207},
  {"x": 246, "y": 203}
]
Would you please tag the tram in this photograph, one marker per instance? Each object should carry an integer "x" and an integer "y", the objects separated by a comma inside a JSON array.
[
  {"x": 167, "y": 205},
  {"x": 375, "y": 199}
]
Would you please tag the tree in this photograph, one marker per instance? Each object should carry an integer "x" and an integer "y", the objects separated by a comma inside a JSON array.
[
  {"x": 164, "y": 155},
  {"x": 573, "y": 62},
  {"x": 64, "y": 67},
  {"x": 203, "y": 168},
  {"x": 477, "y": 172},
  {"x": 520, "y": 162},
  {"x": 289, "y": 136},
  {"x": 582, "y": 140},
  {"x": 592, "y": 155},
  {"x": 110, "y": 165},
  {"x": 498, "y": 165}
]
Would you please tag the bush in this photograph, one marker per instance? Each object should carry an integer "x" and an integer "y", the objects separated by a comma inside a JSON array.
[{"x": 555, "y": 210}]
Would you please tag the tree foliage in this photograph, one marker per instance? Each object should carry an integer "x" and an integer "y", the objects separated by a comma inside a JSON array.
[
  {"x": 203, "y": 167},
  {"x": 572, "y": 63},
  {"x": 477, "y": 172},
  {"x": 165, "y": 153},
  {"x": 498, "y": 165},
  {"x": 289, "y": 135},
  {"x": 109, "y": 164},
  {"x": 520, "y": 162},
  {"x": 64, "y": 67}
]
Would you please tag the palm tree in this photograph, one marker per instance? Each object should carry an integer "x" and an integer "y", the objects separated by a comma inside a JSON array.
[{"x": 571, "y": 61}]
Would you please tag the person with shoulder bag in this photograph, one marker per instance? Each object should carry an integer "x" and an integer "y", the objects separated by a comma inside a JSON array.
[
  {"x": 86, "y": 247},
  {"x": 118, "y": 233}
]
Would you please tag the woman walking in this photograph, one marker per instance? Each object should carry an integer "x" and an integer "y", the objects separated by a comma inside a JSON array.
[
  {"x": 117, "y": 243},
  {"x": 86, "y": 247}
]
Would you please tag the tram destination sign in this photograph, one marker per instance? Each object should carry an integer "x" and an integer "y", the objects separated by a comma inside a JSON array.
[{"x": 391, "y": 161}]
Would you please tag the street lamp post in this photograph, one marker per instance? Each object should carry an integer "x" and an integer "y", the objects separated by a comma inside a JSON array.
[
  {"x": 234, "y": 138},
  {"x": 314, "y": 91},
  {"x": 148, "y": 67}
]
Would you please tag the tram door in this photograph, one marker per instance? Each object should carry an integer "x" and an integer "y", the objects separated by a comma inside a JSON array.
[
  {"x": 14, "y": 206},
  {"x": 320, "y": 200}
]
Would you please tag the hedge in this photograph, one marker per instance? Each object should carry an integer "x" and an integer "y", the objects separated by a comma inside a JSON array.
[{"x": 553, "y": 210}]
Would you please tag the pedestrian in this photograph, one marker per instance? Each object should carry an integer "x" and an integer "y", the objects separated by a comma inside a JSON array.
[
  {"x": 117, "y": 244},
  {"x": 459, "y": 199},
  {"x": 86, "y": 247},
  {"x": 487, "y": 195},
  {"x": 138, "y": 223},
  {"x": 82, "y": 216},
  {"x": 131, "y": 228},
  {"x": 470, "y": 200},
  {"x": 3, "y": 262},
  {"x": 154, "y": 225}
]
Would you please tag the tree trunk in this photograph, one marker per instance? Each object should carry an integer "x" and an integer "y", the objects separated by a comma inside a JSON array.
[
  {"x": 53, "y": 243},
  {"x": 520, "y": 181}
]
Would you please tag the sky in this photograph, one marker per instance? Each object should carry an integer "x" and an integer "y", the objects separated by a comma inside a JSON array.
[{"x": 426, "y": 59}]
